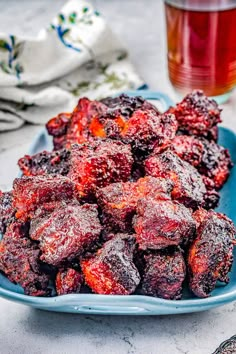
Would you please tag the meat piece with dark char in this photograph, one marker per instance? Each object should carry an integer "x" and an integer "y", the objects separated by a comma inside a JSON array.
[
  {"x": 164, "y": 274},
  {"x": 98, "y": 165},
  {"x": 84, "y": 125},
  {"x": 162, "y": 223},
  {"x": 188, "y": 148},
  {"x": 130, "y": 119},
  {"x": 118, "y": 201},
  {"x": 210, "y": 255},
  {"x": 45, "y": 162},
  {"x": 57, "y": 127},
  {"x": 124, "y": 105},
  {"x": 148, "y": 129},
  {"x": 7, "y": 211},
  {"x": 111, "y": 270},
  {"x": 210, "y": 159},
  {"x": 67, "y": 233},
  {"x": 68, "y": 281},
  {"x": 216, "y": 163},
  {"x": 19, "y": 260},
  {"x": 104, "y": 119},
  {"x": 197, "y": 115},
  {"x": 29, "y": 193},
  {"x": 43, "y": 212},
  {"x": 189, "y": 187}
]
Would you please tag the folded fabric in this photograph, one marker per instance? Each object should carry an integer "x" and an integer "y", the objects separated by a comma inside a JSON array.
[{"x": 77, "y": 55}]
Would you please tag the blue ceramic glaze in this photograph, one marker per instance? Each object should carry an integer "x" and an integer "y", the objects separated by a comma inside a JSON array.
[{"x": 137, "y": 304}]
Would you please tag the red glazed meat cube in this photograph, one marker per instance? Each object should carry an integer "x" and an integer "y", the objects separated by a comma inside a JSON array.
[
  {"x": 162, "y": 223},
  {"x": 197, "y": 115},
  {"x": 111, "y": 270},
  {"x": 211, "y": 253},
  {"x": 189, "y": 187},
  {"x": 19, "y": 260},
  {"x": 29, "y": 193},
  {"x": 119, "y": 200},
  {"x": 99, "y": 164},
  {"x": 164, "y": 274},
  {"x": 67, "y": 232},
  {"x": 45, "y": 162}
]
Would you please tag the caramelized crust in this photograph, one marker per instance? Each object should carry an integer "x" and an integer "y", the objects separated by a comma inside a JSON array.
[
  {"x": 164, "y": 274},
  {"x": 45, "y": 162},
  {"x": 211, "y": 253},
  {"x": 162, "y": 223},
  {"x": 19, "y": 260},
  {"x": 68, "y": 281},
  {"x": 67, "y": 233},
  {"x": 118, "y": 201},
  {"x": 58, "y": 125},
  {"x": 29, "y": 193},
  {"x": 210, "y": 159},
  {"x": 149, "y": 129},
  {"x": 189, "y": 188},
  {"x": 130, "y": 119},
  {"x": 197, "y": 115},
  {"x": 98, "y": 165},
  {"x": 112, "y": 271}
]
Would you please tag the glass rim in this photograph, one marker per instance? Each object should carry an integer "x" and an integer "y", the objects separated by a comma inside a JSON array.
[{"x": 198, "y": 5}]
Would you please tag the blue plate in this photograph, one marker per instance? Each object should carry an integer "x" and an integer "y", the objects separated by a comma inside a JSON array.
[{"x": 137, "y": 304}]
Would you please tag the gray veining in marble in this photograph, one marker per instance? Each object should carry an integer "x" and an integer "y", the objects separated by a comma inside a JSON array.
[{"x": 140, "y": 24}]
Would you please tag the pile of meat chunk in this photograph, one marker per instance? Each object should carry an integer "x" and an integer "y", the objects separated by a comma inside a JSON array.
[{"x": 123, "y": 204}]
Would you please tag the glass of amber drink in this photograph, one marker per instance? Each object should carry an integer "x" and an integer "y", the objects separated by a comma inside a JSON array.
[{"x": 201, "y": 40}]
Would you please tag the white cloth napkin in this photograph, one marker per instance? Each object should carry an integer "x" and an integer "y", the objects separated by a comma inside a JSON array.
[{"x": 77, "y": 55}]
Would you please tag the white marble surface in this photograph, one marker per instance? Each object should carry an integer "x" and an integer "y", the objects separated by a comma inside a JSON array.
[{"x": 140, "y": 24}]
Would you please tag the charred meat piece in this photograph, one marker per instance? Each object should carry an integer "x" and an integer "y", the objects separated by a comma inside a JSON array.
[
  {"x": 148, "y": 129},
  {"x": 68, "y": 281},
  {"x": 211, "y": 253},
  {"x": 125, "y": 106},
  {"x": 164, "y": 274},
  {"x": 104, "y": 119},
  {"x": 215, "y": 163},
  {"x": 84, "y": 124},
  {"x": 189, "y": 188},
  {"x": 197, "y": 115},
  {"x": 29, "y": 193},
  {"x": 188, "y": 148},
  {"x": 99, "y": 164},
  {"x": 7, "y": 211},
  {"x": 162, "y": 223},
  {"x": 111, "y": 270},
  {"x": 42, "y": 213},
  {"x": 45, "y": 162},
  {"x": 119, "y": 118},
  {"x": 58, "y": 125},
  {"x": 67, "y": 233},
  {"x": 210, "y": 159},
  {"x": 119, "y": 200},
  {"x": 19, "y": 260}
]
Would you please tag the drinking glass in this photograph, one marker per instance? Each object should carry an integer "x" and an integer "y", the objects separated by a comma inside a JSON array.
[{"x": 201, "y": 40}]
